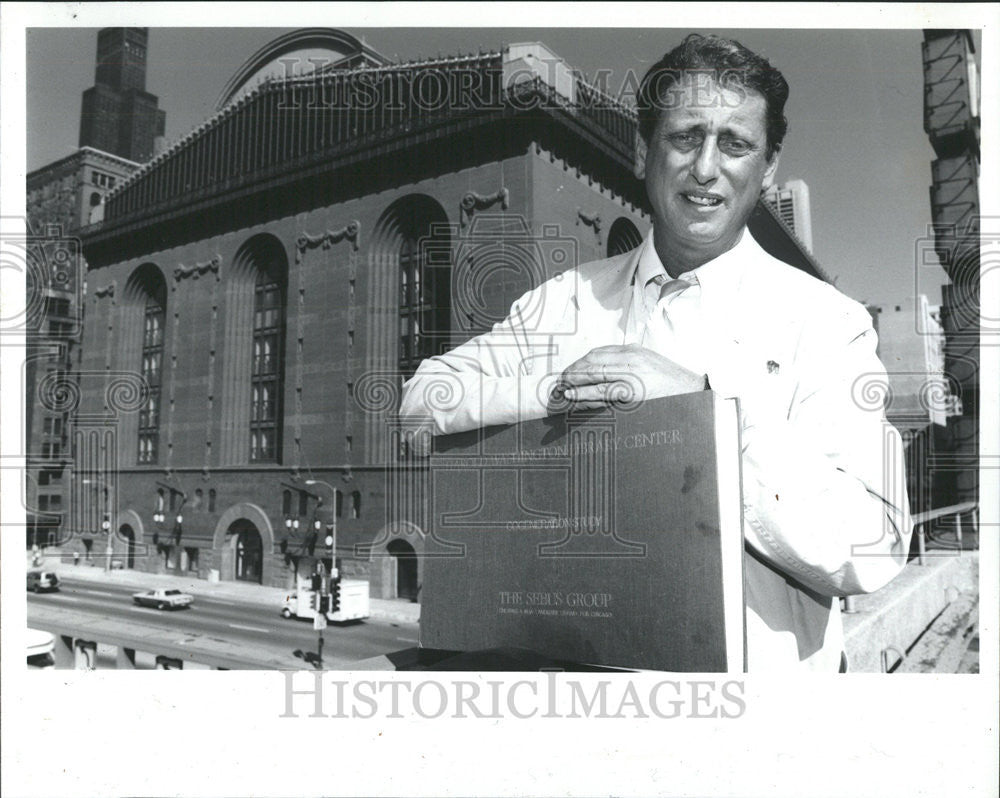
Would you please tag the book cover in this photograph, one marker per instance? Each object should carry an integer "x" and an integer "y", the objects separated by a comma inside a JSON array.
[{"x": 605, "y": 538}]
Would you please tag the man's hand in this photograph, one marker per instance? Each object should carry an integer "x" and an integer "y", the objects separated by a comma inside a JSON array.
[{"x": 611, "y": 375}]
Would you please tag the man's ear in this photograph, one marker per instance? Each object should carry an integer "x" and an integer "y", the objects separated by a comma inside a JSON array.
[
  {"x": 772, "y": 167},
  {"x": 640, "y": 156}
]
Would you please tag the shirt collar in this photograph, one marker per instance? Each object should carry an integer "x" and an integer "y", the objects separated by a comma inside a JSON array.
[{"x": 721, "y": 275}]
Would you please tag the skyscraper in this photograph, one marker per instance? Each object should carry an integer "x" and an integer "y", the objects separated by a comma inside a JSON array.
[
  {"x": 791, "y": 203},
  {"x": 951, "y": 121},
  {"x": 119, "y": 116}
]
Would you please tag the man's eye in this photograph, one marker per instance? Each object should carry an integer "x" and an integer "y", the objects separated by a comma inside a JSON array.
[
  {"x": 734, "y": 147},
  {"x": 684, "y": 140}
]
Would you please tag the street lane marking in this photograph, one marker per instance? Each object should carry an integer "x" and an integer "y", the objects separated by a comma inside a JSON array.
[
  {"x": 247, "y": 628},
  {"x": 98, "y": 592}
]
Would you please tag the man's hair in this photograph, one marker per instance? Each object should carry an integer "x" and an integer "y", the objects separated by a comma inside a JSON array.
[{"x": 731, "y": 65}]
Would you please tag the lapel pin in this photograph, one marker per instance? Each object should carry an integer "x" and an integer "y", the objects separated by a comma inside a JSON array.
[{"x": 773, "y": 367}]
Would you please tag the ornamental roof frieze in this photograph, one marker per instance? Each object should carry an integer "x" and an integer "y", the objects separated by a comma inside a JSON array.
[{"x": 286, "y": 124}]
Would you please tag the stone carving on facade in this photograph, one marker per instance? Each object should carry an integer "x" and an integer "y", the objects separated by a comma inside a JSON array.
[
  {"x": 213, "y": 265},
  {"x": 473, "y": 202},
  {"x": 591, "y": 220},
  {"x": 349, "y": 232}
]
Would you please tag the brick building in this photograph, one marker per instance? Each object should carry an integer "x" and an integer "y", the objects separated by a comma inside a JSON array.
[
  {"x": 258, "y": 293},
  {"x": 62, "y": 197}
]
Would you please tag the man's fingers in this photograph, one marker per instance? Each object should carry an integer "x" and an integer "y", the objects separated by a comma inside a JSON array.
[
  {"x": 602, "y": 394},
  {"x": 610, "y": 363},
  {"x": 594, "y": 373}
]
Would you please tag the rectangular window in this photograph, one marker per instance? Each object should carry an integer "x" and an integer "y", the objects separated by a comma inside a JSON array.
[
  {"x": 52, "y": 426},
  {"x": 57, "y": 307},
  {"x": 48, "y": 477}
]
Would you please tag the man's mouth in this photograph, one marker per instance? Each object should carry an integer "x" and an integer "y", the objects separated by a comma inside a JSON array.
[{"x": 703, "y": 200}]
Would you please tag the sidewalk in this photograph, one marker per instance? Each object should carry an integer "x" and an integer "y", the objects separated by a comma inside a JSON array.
[{"x": 389, "y": 610}]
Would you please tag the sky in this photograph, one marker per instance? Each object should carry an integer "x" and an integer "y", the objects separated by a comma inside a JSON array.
[{"x": 855, "y": 116}]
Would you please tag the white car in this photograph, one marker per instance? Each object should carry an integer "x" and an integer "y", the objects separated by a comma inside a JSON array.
[
  {"x": 39, "y": 581},
  {"x": 163, "y": 599},
  {"x": 41, "y": 647}
]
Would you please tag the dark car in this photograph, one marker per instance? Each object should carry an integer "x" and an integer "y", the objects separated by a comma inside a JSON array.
[{"x": 39, "y": 581}]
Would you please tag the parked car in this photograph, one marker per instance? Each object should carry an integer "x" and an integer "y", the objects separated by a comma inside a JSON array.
[
  {"x": 41, "y": 646},
  {"x": 163, "y": 599},
  {"x": 42, "y": 580}
]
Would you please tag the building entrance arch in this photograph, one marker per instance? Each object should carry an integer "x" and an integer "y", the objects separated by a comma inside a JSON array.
[
  {"x": 129, "y": 543},
  {"x": 127, "y": 536},
  {"x": 396, "y": 557},
  {"x": 405, "y": 560},
  {"x": 244, "y": 544},
  {"x": 249, "y": 552}
]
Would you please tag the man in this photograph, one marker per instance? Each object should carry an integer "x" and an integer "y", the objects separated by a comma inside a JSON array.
[{"x": 699, "y": 304}]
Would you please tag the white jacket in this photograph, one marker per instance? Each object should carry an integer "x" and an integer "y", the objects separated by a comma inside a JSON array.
[{"x": 825, "y": 506}]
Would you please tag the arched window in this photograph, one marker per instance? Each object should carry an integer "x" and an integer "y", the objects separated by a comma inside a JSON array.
[
  {"x": 254, "y": 347},
  {"x": 151, "y": 290},
  {"x": 356, "y": 504},
  {"x": 623, "y": 237}
]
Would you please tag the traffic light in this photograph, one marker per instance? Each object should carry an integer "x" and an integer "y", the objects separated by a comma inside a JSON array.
[
  {"x": 315, "y": 601},
  {"x": 324, "y": 604},
  {"x": 334, "y": 595},
  {"x": 317, "y": 582}
]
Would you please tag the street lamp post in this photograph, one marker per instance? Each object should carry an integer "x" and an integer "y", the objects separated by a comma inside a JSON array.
[
  {"x": 105, "y": 520},
  {"x": 326, "y": 598}
]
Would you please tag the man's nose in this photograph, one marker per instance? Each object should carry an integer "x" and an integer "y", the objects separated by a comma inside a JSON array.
[{"x": 706, "y": 165}]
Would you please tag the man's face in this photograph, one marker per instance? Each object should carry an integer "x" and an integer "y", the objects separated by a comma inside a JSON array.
[{"x": 705, "y": 165}]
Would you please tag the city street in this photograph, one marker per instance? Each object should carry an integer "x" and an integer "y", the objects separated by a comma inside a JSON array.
[{"x": 257, "y": 629}]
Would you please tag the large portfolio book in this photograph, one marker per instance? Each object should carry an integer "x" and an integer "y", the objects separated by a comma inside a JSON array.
[{"x": 606, "y": 538}]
